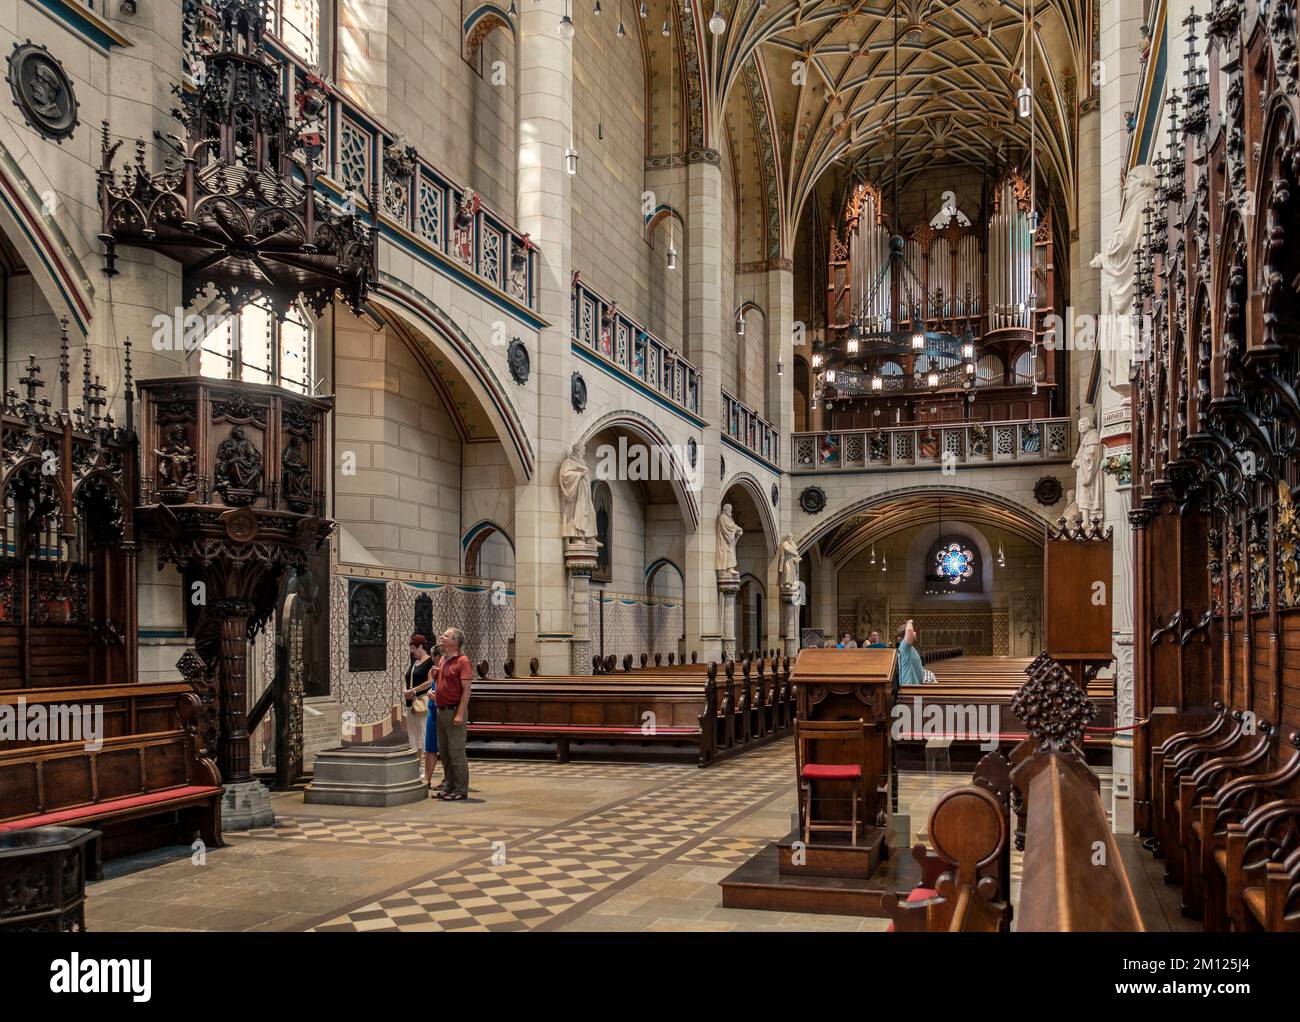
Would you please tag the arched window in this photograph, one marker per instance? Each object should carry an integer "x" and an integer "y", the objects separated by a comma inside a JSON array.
[
  {"x": 953, "y": 566},
  {"x": 255, "y": 347},
  {"x": 302, "y": 25},
  {"x": 603, "y": 501}
]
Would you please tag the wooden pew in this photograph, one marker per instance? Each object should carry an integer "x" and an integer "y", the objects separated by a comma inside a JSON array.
[
  {"x": 719, "y": 717},
  {"x": 151, "y": 765},
  {"x": 965, "y": 877},
  {"x": 968, "y": 684}
]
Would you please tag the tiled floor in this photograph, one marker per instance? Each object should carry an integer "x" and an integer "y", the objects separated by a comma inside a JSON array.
[{"x": 537, "y": 846}]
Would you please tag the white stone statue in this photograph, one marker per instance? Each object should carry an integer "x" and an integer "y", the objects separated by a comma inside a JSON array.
[
  {"x": 577, "y": 512},
  {"x": 1118, "y": 264},
  {"x": 1088, "y": 478},
  {"x": 729, "y": 534},
  {"x": 1071, "y": 512},
  {"x": 790, "y": 558}
]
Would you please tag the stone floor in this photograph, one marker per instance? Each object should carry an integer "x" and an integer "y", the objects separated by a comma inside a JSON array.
[{"x": 538, "y": 845}]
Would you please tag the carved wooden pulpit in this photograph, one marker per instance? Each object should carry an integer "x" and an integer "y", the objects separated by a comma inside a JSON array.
[
  {"x": 233, "y": 490},
  {"x": 1077, "y": 583},
  {"x": 851, "y": 684}
]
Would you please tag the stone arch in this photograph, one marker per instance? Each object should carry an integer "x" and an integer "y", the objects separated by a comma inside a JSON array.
[
  {"x": 480, "y": 22},
  {"x": 644, "y": 430},
  {"x": 437, "y": 334},
  {"x": 475, "y": 538},
  {"x": 55, "y": 266},
  {"x": 762, "y": 501}
]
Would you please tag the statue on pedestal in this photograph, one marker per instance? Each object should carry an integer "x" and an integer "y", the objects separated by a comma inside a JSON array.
[
  {"x": 790, "y": 558},
  {"x": 578, "y": 513},
  {"x": 729, "y": 534},
  {"x": 1088, "y": 486}
]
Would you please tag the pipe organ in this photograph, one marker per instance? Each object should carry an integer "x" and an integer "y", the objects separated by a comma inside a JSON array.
[{"x": 976, "y": 288}]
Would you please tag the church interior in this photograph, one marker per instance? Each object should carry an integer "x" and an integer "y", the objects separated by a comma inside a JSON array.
[{"x": 650, "y": 465}]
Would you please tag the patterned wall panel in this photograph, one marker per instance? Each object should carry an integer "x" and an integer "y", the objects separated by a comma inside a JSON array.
[{"x": 636, "y": 624}]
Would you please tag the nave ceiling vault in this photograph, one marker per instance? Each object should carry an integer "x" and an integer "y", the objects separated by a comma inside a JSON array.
[{"x": 795, "y": 90}]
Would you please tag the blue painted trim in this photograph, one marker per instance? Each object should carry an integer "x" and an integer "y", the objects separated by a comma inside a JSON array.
[
  {"x": 75, "y": 19},
  {"x": 160, "y": 633},
  {"x": 38, "y": 246},
  {"x": 486, "y": 523},
  {"x": 588, "y": 355},
  {"x": 750, "y": 454}
]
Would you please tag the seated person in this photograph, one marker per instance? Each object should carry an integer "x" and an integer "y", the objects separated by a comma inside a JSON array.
[
  {"x": 847, "y": 642},
  {"x": 873, "y": 641},
  {"x": 910, "y": 669}
]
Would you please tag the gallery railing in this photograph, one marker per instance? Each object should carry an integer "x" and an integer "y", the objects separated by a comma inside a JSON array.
[
  {"x": 438, "y": 218},
  {"x": 957, "y": 443},
  {"x": 600, "y": 327},
  {"x": 749, "y": 429}
]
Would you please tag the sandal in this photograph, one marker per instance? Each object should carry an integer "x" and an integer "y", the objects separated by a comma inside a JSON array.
[{"x": 454, "y": 797}]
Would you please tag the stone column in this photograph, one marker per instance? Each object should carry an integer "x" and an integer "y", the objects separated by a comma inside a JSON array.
[
  {"x": 728, "y": 586},
  {"x": 580, "y": 562},
  {"x": 543, "y": 609},
  {"x": 790, "y": 595},
  {"x": 703, "y": 343},
  {"x": 780, "y": 403}
]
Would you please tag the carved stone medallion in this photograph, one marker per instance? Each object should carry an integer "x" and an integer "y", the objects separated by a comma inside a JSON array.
[
  {"x": 518, "y": 360},
  {"x": 578, "y": 388},
  {"x": 813, "y": 500},
  {"x": 42, "y": 91},
  {"x": 1047, "y": 491}
]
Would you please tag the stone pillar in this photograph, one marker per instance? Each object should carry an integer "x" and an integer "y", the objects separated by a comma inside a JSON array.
[
  {"x": 728, "y": 586},
  {"x": 580, "y": 562},
  {"x": 543, "y": 609},
  {"x": 790, "y": 595},
  {"x": 780, "y": 403},
  {"x": 703, "y": 343},
  {"x": 1117, "y": 436}
]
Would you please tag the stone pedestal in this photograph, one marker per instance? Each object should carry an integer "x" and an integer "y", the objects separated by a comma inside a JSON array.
[
  {"x": 580, "y": 562},
  {"x": 246, "y": 804},
  {"x": 366, "y": 775},
  {"x": 728, "y": 586},
  {"x": 790, "y": 597}
]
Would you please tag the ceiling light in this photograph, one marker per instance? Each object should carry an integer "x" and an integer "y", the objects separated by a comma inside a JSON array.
[
  {"x": 643, "y": 10},
  {"x": 877, "y": 383},
  {"x": 571, "y": 156},
  {"x": 933, "y": 379},
  {"x": 566, "y": 27},
  {"x": 717, "y": 23},
  {"x": 918, "y": 341},
  {"x": 830, "y": 375},
  {"x": 1025, "y": 101}
]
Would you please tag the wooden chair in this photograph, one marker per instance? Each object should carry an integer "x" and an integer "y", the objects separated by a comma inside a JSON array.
[{"x": 849, "y": 734}]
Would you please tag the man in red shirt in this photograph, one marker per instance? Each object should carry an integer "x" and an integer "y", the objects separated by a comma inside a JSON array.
[{"x": 451, "y": 696}]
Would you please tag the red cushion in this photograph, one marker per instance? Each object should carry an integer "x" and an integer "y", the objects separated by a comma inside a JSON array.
[
  {"x": 585, "y": 727},
  {"x": 831, "y": 771},
  {"x": 916, "y": 894},
  {"x": 108, "y": 808}
]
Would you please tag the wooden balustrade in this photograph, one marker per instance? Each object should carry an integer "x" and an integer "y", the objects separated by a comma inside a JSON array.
[{"x": 928, "y": 444}]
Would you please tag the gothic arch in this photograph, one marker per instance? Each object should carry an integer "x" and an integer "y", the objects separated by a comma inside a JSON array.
[
  {"x": 762, "y": 501},
  {"x": 648, "y": 433},
  {"x": 438, "y": 335}
]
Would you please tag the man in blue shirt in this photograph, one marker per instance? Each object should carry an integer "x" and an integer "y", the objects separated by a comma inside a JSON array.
[
  {"x": 910, "y": 669},
  {"x": 873, "y": 641}
]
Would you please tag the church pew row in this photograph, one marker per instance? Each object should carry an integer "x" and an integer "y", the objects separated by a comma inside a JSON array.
[
  {"x": 1226, "y": 819},
  {"x": 970, "y": 690},
  {"x": 718, "y": 717},
  {"x": 965, "y": 883},
  {"x": 147, "y": 762}
]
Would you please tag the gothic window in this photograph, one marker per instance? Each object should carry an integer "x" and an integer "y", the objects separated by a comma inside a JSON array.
[
  {"x": 604, "y": 504},
  {"x": 255, "y": 347},
  {"x": 953, "y": 566},
  {"x": 301, "y": 25}
]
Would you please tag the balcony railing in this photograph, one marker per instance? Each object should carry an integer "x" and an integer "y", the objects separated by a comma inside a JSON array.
[
  {"x": 955, "y": 443},
  {"x": 749, "y": 429},
  {"x": 442, "y": 220},
  {"x": 601, "y": 328}
]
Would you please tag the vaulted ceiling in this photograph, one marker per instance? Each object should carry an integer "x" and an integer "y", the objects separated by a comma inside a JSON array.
[{"x": 795, "y": 90}]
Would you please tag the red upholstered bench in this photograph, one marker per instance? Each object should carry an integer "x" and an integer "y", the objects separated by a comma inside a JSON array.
[{"x": 831, "y": 771}]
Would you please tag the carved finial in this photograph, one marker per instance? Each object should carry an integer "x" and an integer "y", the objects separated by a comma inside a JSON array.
[
  {"x": 129, "y": 384},
  {"x": 1052, "y": 707},
  {"x": 65, "y": 364}
]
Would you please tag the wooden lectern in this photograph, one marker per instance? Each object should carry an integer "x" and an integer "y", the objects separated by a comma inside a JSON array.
[{"x": 851, "y": 684}]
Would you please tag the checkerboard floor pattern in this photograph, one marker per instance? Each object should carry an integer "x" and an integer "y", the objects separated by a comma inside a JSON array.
[
  {"x": 392, "y": 833},
  {"x": 518, "y": 894}
]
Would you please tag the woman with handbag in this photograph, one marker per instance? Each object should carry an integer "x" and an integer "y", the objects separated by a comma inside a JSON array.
[{"x": 418, "y": 694}]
